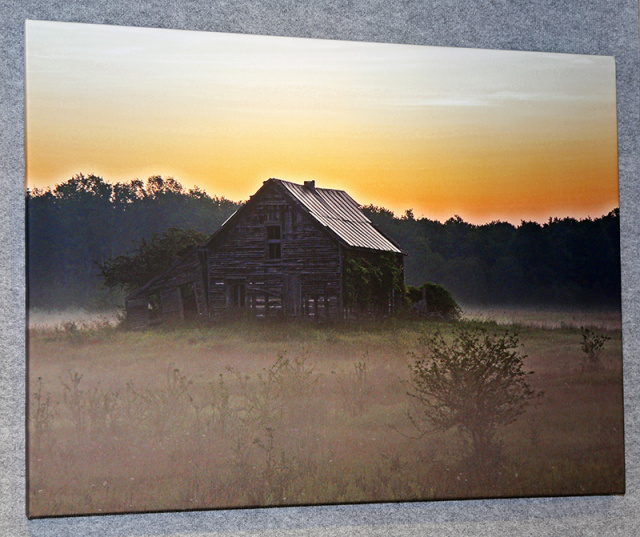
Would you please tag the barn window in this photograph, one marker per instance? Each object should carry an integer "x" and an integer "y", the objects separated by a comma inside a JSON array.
[{"x": 274, "y": 242}]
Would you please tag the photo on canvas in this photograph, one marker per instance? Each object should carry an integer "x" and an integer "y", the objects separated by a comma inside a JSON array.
[{"x": 270, "y": 271}]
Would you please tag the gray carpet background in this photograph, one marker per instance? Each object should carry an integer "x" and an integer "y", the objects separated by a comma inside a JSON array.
[{"x": 606, "y": 27}]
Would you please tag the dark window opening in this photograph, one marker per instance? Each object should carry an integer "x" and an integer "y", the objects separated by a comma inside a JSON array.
[
  {"x": 275, "y": 251},
  {"x": 274, "y": 242},
  {"x": 237, "y": 294},
  {"x": 273, "y": 233}
]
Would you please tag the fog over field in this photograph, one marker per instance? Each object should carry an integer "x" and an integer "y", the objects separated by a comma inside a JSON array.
[
  {"x": 46, "y": 320},
  {"x": 502, "y": 315},
  {"x": 545, "y": 318},
  {"x": 247, "y": 414}
]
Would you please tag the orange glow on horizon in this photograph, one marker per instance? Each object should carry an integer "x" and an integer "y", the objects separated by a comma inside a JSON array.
[{"x": 487, "y": 135}]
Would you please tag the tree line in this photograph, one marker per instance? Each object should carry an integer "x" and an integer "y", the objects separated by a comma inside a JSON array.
[
  {"x": 563, "y": 262},
  {"x": 85, "y": 221},
  {"x": 81, "y": 224}
]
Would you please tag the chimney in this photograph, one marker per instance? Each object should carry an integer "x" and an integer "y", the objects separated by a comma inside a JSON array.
[{"x": 311, "y": 185}]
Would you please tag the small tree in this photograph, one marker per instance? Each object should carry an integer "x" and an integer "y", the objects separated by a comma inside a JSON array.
[
  {"x": 148, "y": 259},
  {"x": 592, "y": 346},
  {"x": 476, "y": 382}
]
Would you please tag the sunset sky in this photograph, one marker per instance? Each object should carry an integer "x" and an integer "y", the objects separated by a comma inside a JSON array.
[{"x": 487, "y": 135}]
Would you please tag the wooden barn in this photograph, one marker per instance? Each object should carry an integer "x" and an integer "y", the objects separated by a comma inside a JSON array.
[{"x": 290, "y": 251}]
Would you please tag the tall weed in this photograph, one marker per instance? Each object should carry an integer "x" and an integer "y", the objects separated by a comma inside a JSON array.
[{"x": 354, "y": 387}]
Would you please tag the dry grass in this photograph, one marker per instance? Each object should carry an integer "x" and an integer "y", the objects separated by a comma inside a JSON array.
[{"x": 243, "y": 415}]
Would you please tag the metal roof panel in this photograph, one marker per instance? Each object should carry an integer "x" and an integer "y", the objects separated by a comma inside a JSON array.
[{"x": 340, "y": 213}]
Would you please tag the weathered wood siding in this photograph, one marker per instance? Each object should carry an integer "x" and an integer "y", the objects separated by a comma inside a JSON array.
[{"x": 305, "y": 280}]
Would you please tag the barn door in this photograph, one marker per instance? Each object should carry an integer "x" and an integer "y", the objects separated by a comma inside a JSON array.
[
  {"x": 189, "y": 304},
  {"x": 236, "y": 293},
  {"x": 292, "y": 295}
]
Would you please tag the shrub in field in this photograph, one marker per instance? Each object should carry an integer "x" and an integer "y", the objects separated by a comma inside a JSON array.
[
  {"x": 433, "y": 298},
  {"x": 475, "y": 382},
  {"x": 592, "y": 346}
]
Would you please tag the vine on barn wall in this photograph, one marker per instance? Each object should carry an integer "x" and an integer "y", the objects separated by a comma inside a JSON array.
[{"x": 373, "y": 282}]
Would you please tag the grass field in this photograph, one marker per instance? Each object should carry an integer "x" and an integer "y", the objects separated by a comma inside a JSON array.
[{"x": 273, "y": 414}]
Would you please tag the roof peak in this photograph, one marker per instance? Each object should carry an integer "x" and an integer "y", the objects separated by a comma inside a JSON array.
[
  {"x": 309, "y": 185},
  {"x": 278, "y": 180}
]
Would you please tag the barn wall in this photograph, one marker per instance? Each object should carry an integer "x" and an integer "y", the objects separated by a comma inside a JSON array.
[{"x": 304, "y": 281}]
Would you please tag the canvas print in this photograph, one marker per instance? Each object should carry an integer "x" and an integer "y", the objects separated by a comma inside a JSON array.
[{"x": 270, "y": 271}]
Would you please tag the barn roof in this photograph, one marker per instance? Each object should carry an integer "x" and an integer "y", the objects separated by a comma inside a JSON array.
[{"x": 340, "y": 214}]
